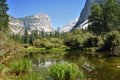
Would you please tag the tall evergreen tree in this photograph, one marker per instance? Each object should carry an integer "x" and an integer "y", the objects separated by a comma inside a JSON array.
[
  {"x": 3, "y": 16},
  {"x": 42, "y": 33},
  {"x": 96, "y": 19},
  {"x": 111, "y": 14},
  {"x": 31, "y": 39},
  {"x": 105, "y": 17},
  {"x": 26, "y": 36},
  {"x": 58, "y": 31}
]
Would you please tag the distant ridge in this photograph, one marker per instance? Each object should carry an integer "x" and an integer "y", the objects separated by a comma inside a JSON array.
[{"x": 34, "y": 22}]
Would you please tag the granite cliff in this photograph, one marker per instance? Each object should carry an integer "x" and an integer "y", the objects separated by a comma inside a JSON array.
[
  {"x": 35, "y": 22},
  {"x": 86, "y": 12}
]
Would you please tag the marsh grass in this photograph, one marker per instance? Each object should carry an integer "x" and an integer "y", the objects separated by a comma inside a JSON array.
[
  {"x": 35, "y": 50},
  {"x": 56, "y": 50},
  {"x": 64, "y": 72},
  {"x": 29, "y": 76},
  {"x": 20, "y": 66}
]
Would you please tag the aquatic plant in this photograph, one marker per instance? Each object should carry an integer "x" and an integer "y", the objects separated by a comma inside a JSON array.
[
  {"x": 21, "y": 66},
  {"x": 35, "y": 50},
  {"x": 64, "y": 72}
]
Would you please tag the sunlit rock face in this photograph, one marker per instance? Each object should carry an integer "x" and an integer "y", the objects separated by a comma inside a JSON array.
[
  {"x": 69, "y": 26},
  {"x": 35, "y": 22},
  {"x": 86, "y": 11}
]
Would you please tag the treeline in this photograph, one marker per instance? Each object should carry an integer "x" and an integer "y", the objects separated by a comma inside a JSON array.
[
  {"x": 105, "y": 17},
  {"x": 103, "y": 34},
  {"x": 87, "y": 41},
  {"x": 104, "y": 31},
  {"x": 29, "y": 38}
]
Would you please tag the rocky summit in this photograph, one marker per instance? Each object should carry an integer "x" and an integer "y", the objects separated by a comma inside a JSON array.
[
  {"x": 35, "y": 22},
  {"x": 86, "y": 12},
  {"x": 69, "y": 26}
]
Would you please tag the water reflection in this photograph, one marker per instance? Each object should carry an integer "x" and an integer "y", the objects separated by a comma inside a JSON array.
[
  {"x": 42, "y": 62},
  {"x": 95, "y": 66}
]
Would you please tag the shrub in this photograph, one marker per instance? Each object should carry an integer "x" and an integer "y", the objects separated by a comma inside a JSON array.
[
  {"x": 91, "y": 41},
  {"x": 79, "y": 39},
  {"x": 112, "y": 40},
  {"x": 73, "y": 42},
  {"x": 64, "y": 72},
  {"x": 37, "y": 42},
  {"x": 26, "y": 45},
  {"x": 12, "y": 46},
  {"x": 48, "y": 43},
  {"x": 100, "y": 41}
]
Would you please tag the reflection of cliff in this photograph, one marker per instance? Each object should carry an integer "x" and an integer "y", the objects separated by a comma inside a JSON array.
[{"x": 43, "y": 63}]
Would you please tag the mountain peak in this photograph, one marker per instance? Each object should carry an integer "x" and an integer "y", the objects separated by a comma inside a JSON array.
[
  {"x": 69, "y": 26},
  {"x": 34, "y": 22},
  {"x": 86, "y": 11}
]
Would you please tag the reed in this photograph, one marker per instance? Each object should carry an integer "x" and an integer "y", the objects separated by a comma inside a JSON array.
[
  {"x": 20, "y": 66},
  {"x": 64, "y": 72}
]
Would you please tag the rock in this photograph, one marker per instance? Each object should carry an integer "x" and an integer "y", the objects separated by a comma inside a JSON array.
[
  {"x": 118, "y": 66},
  {"x": 84, "y": 25},
  {"x": 86, "y": 12},
  {"x": 69, "y": 26},
  {"x": 35, "y": 22}
]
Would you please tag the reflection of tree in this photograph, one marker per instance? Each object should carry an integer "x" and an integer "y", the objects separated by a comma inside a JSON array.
[
  {"x": 105, "y": 69},
  {"x": 73, "y": 56}
]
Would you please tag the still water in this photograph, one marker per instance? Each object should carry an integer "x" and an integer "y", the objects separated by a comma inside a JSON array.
[{"x": 95, "y": 66}]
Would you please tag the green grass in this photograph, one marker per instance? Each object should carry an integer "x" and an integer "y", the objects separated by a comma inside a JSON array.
[
  {"x": 1, "y": 68},
  {"x": 20, "y": 66},
  {"x": 35, "y": 50},
  {"x": 56, "y": 50},
  {"x": 64, "y": 72},
  {"x": 29, "y": 76},
  {"x": 43, "y": 50}
]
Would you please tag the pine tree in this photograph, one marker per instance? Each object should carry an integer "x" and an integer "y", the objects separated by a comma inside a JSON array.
[
  {"x": 3, "y": 16},
  {"x": 105, "y": 17},
  {"x": 26, "y": 36},
  {"x": 58, "y": 31},
  {"x": 42, "y": 33},
  {"x": 31, "y": 39},
  {"x": 96, "y": 19},
  {"x": 111, "y": 14}
]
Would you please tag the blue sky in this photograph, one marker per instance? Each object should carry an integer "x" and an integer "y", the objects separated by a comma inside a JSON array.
[{"x": 60, "y": 11}]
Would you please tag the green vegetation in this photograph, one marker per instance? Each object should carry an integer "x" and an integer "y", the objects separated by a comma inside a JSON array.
[
  {"x": 112, "y": 40},
  {"x": 1, "y": 68},
  {"x": 102, "y": 35},
  {"x": 4, "y": 16},
  {"x": 64, "y": 72},
  {"x": 48, "y": 43},
  {"x": 105, "y": 17},
  {"x": 82, "y": 40},
  {"x": 35, "y": 50},
  {"x": 105, "y": 22},
  {"x": 21, "y": 66}
]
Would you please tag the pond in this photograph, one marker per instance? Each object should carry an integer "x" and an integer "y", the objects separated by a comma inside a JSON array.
[{"x": 95, "y": 66}]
